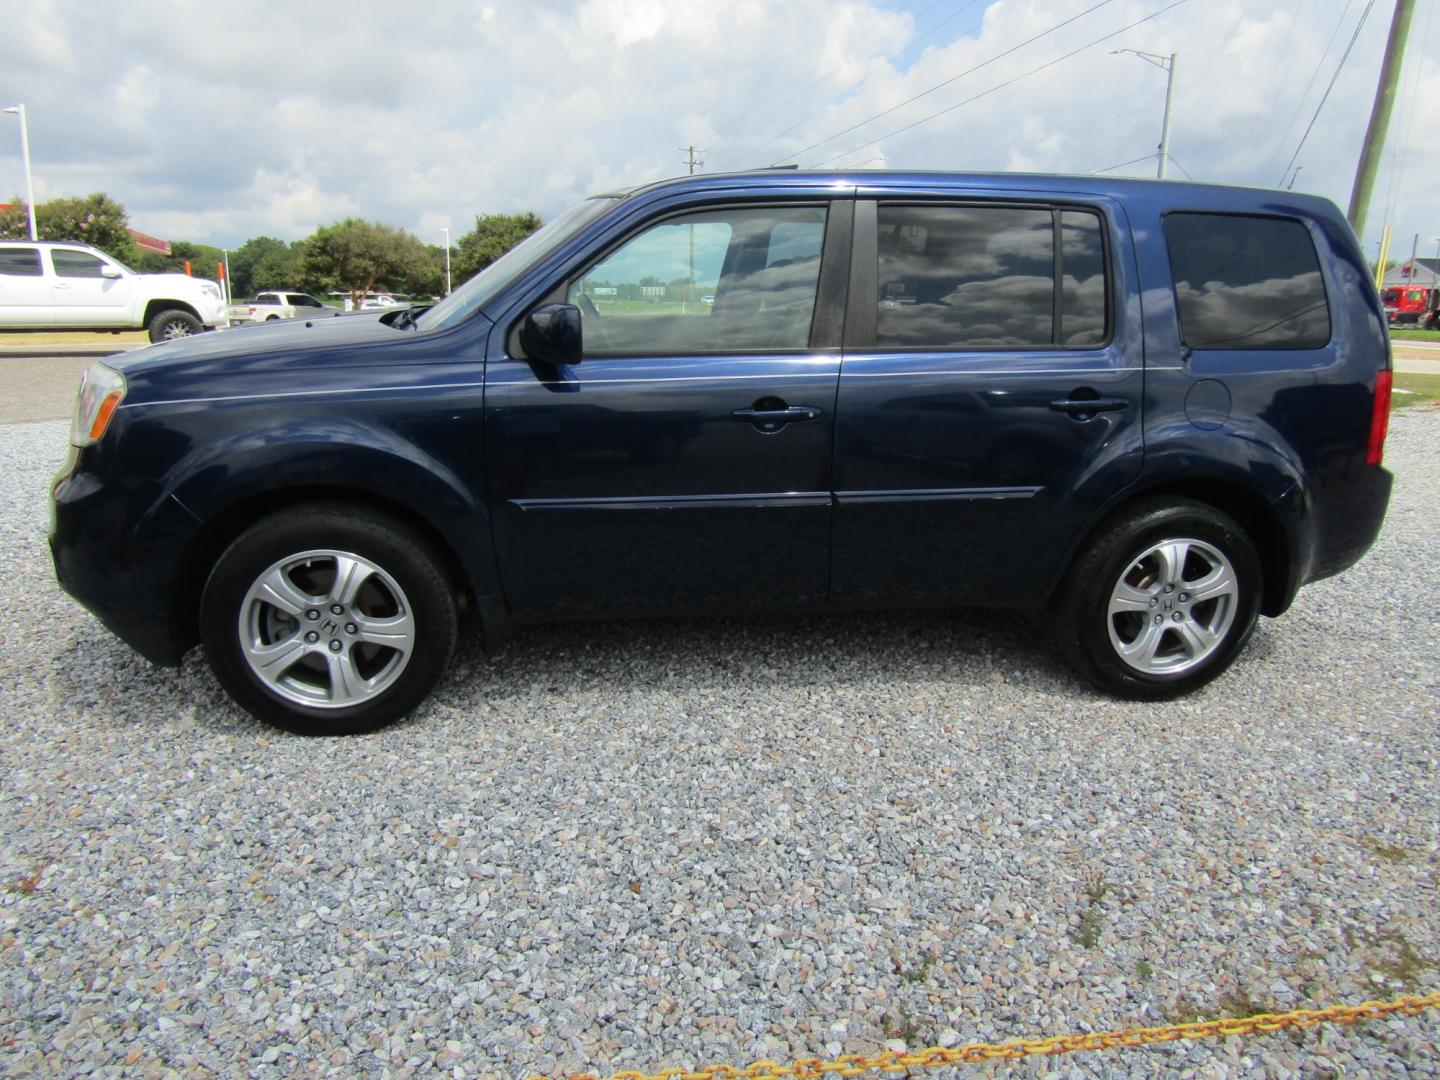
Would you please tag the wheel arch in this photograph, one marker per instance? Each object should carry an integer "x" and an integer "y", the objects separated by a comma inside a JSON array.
[
  {"x": 219, "y": 529},
  {"x": 155, "y": 307},
  {"x": 1256, "y": 514}
]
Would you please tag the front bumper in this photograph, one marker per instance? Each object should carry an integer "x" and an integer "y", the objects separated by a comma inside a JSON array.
[{"x": 117, "y": 549}]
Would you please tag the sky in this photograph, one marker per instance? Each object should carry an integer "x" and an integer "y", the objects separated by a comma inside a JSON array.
[{"x": 215, "y": 128}]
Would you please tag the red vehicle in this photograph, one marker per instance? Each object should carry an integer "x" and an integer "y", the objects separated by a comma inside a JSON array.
[{"x": 1412, "y": 305}]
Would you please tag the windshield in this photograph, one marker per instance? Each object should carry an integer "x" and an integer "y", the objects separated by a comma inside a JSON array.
[{"x": 483, "y": 287}]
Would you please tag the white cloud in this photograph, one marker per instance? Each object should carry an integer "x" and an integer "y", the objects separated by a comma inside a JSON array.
[{"x": 218, "y": 129}]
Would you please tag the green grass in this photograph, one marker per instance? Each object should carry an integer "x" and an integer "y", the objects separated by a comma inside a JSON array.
[
  {"x": 1415, "y": 335},
  {"x": 75, "y": 337},
  {"x": 1412, "y": 388}
]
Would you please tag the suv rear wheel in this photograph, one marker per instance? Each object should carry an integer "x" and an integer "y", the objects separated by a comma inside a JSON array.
[
  {"x": 327, "y": 621},
  {"x": 1162, "y": 601},
  {"x": 173, "y": 323}
]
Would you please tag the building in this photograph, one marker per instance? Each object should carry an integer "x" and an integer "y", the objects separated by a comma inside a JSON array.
[{"x": 1422, "y": 274}]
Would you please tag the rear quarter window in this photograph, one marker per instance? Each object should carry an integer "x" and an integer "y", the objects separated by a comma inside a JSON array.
[{"x": 1246, "y": 282}]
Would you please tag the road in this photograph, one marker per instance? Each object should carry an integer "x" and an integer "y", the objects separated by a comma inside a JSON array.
[{"x": 39, "y": 387}]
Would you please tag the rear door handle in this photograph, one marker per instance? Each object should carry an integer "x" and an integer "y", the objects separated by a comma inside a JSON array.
[{"x": 1087, "y": 407}]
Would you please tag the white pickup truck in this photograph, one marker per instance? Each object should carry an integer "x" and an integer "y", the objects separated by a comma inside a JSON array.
[
  {"x": 59, "y": 285},
  {"x": 281, "y": 304}
]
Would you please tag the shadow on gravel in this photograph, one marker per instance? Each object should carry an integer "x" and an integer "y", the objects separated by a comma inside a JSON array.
[
  {"x": 770, "y": 653},
  {"x": 94, "y": 674}
]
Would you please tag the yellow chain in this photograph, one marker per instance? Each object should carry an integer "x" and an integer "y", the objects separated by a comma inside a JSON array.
[{"x": 972, "y": 1053}]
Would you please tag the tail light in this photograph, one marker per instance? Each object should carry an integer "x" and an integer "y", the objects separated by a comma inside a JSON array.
[{"x": 1379, "y": 418}]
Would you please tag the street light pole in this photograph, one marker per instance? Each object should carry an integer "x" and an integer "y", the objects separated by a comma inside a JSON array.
[
  {"x": 19, "y": 110},
  {"x": 446, "y": 230},
  {"x": 1167, "y": 65}
]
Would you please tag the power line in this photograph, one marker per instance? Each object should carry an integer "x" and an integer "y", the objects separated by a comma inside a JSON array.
[
  {"x": 729, "y": 124},
  {"x": 1007, "y": 82},
  {"x": 1278, "y": 73},
  {"x": 856, "y": 86},
  {"x": 1177, "y": 165},
  {"x": 947, "y": 82},
  {"x": 1304, "y": 94},
  {"x": 1326, "y": 96},
  {"x": 1133, "y": 161},
  {"x": 1397, "y": 158}
]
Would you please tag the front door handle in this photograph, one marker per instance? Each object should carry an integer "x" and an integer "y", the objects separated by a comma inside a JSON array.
[
  {"x": 769, "y": 415},
  {"x": 789, "y": 414},
  {"x": 1085, "y": 408}
]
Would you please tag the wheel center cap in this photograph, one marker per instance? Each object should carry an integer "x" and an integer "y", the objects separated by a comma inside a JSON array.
[{"x": 329, "y": 627}]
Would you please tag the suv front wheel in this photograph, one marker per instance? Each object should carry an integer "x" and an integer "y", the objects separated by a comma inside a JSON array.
[
  {"x": 326, "y": 621},
  {"x": 1162, "y": 601}
]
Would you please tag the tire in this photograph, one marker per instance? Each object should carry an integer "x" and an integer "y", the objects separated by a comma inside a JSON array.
[
  {"x": 1141, "y": 563},
  {"x": 272, "y": 318},
  {"x": 173, "y": 323},
  {"x": 328, "y": 619}
]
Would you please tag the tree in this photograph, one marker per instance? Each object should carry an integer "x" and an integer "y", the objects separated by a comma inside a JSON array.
[
  {"x": 204, "y": 260},
  {"x": 358, "y": 255},
  {"x": 263, "y": 262},
  {"x": 493, "y": 236},
  {"x": 95, "y": 219}
]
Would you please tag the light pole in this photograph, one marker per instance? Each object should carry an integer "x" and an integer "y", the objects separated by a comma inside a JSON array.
[
  {"x": 446, "y": 230},
  {"x": 1167, "y": 65},
  {"x": 19, "y": 110}
]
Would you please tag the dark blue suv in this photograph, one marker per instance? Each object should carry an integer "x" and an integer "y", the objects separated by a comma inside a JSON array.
[{"x": 1146, "y": 412}]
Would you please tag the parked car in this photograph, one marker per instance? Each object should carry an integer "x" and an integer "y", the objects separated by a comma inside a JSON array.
[
  {"x": 55, "y": 285},
  {"x": 377, "y": 303},
  {"x": 274, "y": 306},
  {"x": 1147, "y": 412}
]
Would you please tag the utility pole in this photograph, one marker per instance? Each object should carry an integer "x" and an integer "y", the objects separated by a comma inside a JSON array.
[
  {"x": 1374, "y": 146},
  {"x": 19, "y": 110},
  {"x": 1167, "y": 65},
  {"x": 694, "y": 163}
]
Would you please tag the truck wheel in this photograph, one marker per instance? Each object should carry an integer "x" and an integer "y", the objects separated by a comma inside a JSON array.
[
  {"x": 1162, "y": 601},
  {"x": 328, "y": 620},
  {"x": 171, "y": 324},
  {"x": 272, "y": 318}
]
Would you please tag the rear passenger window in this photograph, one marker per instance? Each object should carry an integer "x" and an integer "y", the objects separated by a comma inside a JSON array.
[
  {"x": 958, "y": 277},
  {"x": 1246, "y": 282},
  {"x": 20, "y": 262}
]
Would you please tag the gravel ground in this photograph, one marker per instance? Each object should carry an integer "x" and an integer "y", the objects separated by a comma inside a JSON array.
[{"x": 646, "y": 845}]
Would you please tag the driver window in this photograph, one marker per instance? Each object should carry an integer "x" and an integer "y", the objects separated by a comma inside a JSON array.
[{"x": 734, "y": 280}]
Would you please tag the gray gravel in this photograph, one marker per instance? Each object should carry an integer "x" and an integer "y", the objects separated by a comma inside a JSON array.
[{"x": 645, "y": 845}]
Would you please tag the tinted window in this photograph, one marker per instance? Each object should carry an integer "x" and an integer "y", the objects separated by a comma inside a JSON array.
[
  {"x": 1083, "y": 289},
  {"x": 718, "y": 281},
  {"x": 1246, "y": 283},
  {"x": 20, "y": 262},
  {"x": 301, "y": 300},
  {"x": 75, "y": 264}
]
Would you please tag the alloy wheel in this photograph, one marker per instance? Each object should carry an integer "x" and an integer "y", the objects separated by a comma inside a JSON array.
[
  {"x": 1172, "y": 606},
  {"x": 326, "y": 629}
]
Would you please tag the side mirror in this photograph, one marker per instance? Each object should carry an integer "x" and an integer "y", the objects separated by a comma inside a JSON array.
[
  {"x": 106, "y": 270},
  {"x": 551, "y": 334}
]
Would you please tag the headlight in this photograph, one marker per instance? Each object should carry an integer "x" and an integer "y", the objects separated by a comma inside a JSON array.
[{"x": 101, "y": 391}]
